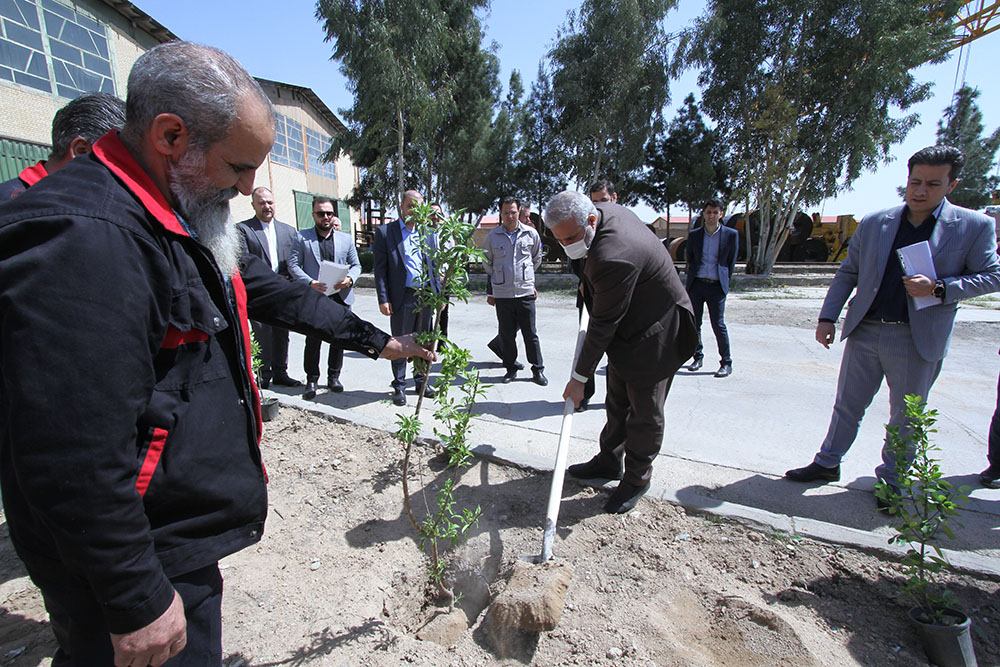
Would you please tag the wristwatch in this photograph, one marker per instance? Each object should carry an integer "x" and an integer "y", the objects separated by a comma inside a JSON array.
[{"x": 939, "y": 289}]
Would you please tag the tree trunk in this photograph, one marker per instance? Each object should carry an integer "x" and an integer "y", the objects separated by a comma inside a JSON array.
[{"x": 399, "y": 154}]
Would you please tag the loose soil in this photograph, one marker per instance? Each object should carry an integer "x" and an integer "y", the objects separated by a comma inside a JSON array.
[{"x": 339, "y": 578}]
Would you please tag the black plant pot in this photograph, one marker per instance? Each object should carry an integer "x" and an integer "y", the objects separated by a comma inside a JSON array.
[
  {"x": 268, "y": 409},
  {"x": 946, "y": 645}
]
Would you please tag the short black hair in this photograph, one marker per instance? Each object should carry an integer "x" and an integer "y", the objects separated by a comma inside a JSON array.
[
  {"x": 322, "y": 200},
  {"x": 602, "y": 184},
  {"x": 91, "y": 116},
  {"x": 714, "y": 202},
  {"x": 508, "y": 199},
  {"x": 937, "y": 156}
]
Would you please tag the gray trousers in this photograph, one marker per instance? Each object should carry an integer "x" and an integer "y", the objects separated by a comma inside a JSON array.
[{"x": 875, "y": 351}]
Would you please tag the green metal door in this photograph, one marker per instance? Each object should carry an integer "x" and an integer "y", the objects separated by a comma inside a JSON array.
[{"x": 16, "y": 155}]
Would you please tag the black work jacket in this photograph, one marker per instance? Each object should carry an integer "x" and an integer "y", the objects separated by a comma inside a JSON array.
[{"x": 129, "y": 420}]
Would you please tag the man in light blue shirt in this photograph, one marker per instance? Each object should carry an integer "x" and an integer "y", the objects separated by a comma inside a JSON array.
[
  {"x": 711, "y": 256},
  {"x": 400, "y": 270}
]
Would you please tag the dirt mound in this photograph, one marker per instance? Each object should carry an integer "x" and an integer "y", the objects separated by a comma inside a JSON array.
[{"x": 339, "y": 579}]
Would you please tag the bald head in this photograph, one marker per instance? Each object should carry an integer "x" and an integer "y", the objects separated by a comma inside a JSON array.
[{"x": 410, "y": 199}]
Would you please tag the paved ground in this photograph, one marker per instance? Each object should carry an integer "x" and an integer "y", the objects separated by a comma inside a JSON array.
[{"x": 728, "y": 441}]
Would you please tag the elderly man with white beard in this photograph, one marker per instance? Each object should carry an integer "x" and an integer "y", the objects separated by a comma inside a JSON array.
[{"x": 129, "y": 419}]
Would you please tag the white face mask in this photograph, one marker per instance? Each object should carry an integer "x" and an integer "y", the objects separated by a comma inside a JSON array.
[{"x": 578, "y": 249}]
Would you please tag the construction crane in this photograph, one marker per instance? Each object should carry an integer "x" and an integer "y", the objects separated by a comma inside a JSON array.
[{"x": 976, "y": 18}]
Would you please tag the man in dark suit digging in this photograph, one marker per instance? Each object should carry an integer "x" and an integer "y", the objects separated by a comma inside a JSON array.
[{"x": 641, "y": 317}]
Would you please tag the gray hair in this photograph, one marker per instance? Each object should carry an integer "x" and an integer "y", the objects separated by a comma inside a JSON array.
[
  {"x": 201, "y": 84},
  {"x": 569, "y": 204},
  {"x": 90, "y": 116}
]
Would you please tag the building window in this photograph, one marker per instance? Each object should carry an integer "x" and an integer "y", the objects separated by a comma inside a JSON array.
[
  {"x": 74, "y": 59},
  {"x": 287, "y": 149},
  {"x": 316, "y": 146}
]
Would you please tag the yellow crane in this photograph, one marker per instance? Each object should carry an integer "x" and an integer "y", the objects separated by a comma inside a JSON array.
[{"x": 975, "y": 19}]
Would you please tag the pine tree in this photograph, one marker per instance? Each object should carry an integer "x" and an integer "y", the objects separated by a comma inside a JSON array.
[{"x": 962, "y": 127}]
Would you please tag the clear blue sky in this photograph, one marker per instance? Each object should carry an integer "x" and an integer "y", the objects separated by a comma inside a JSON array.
[{"x": 284, "y": 42}]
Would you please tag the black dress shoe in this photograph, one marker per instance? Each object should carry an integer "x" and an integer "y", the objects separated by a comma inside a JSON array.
[
  {"x": 814, "y": 472},
  {"x": 509, "y": 377},
  {"x": 265, "y": 383},
  {"x": 595, "y": 468},
  {"x": 398, "y": 397},
  {"x": 696, "y": 365},
  {"x": 539, "y": 378},
  {"x": 584, "y": 404},
  {"x": 334, "y": 385},
  {"x": 310, "y": 392},
  {"x": 725, "y": 370},
  {"x": 990, "y": 478},
  {"x": 625, "y": 498},
  {"x": 428, "y": 390},
  {"x": 286, "y": 381}
]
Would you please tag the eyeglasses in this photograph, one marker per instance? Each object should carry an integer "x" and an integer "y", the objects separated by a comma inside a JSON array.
[{"x": 323, "y": 214}]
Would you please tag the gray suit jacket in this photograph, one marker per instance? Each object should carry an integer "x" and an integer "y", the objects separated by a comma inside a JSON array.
[
  {"x": 285, "y": 236},
  {"x": 304, "y": 261},
  {"x": 964, "y": 250}
]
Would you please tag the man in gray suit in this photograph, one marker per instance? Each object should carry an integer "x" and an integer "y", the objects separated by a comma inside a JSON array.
[
  {"x": 324, "y": 242},
  {"x": 887, "y": 336},
  {"x": 272, "y": 242}
]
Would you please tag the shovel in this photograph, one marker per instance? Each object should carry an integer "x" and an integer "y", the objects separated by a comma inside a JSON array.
[{"x": 534, "y": 597}]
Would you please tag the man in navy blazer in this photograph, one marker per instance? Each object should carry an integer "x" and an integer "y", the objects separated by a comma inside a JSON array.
[
  {"x": 272, "y": 242},
  {"x": 399, "y": 267},
  {"x": 324, "y": 242},
  {"x": 711, "y": 256},
  {"x": 887, "y": 336}
]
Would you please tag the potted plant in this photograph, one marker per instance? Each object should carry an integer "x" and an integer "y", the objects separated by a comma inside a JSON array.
[
  {"x": 923, "y": 505},
  {"x": 268, "y": 406}
]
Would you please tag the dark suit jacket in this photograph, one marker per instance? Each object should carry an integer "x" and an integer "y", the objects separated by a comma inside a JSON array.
[
  {"x": 640, "y": 313},
  {"x": 727, "y": 254},
  {"x": 388, "y": 266},
  {"x": 285, "y": 236}
]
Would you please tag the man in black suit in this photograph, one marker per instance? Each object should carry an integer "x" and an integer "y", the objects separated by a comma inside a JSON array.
[
  {"x": 711, "y": 257},
  {"x": 399, "y": 268},
  {"x": 641, "y": 317},
  {"x": 271, "y": 241}
]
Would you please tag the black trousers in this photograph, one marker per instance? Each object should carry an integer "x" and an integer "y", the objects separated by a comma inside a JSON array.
[
  {"x": 405, "y": 320},
  {"x": 334, "y": 359},
  {"x": 78, "y": 625},
  {"x": 634, "y": 427},
  {"x": 993, "y": 453},
  {"x": 512, "y": 315},
  {"x": 273, "y": 343},
  {"x": 704, "y": 293}
]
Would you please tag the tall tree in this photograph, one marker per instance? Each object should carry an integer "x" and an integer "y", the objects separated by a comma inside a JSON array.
[
  {"x": 403, "y": 61},
  {"x": 962, "y": 127},
  {"x": 687, "y": 165},
  {"x": 803, "y": 92},
  {"x": 610, "y": 84},
  {"x": 541, "y": 161}
]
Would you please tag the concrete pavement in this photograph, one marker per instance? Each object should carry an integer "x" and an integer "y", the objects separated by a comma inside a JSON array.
[{"x": 728, "y": 441}]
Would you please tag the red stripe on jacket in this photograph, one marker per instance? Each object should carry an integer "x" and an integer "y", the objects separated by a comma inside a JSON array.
[
  {"x": 151, "y": 461},
  {"x": 31, "y": 175},
  {"x": 110, "y": 150},
  {"x": 175, "y": 337},
  {"x": 240, "y": 290}
]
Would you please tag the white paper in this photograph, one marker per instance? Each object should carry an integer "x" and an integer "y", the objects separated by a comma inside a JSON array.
[
  {"x": 916, "y": 260},
  {"x": 331, "y": 273}
]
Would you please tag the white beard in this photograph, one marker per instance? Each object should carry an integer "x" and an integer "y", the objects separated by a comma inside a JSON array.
[{"x": 206, "y": 209}]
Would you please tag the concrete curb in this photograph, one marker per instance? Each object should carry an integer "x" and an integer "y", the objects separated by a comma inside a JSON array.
[{"x": 806, "y": 528}]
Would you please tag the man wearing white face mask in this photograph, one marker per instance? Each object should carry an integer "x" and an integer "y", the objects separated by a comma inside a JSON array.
[{"x": 641, "y": 317}]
